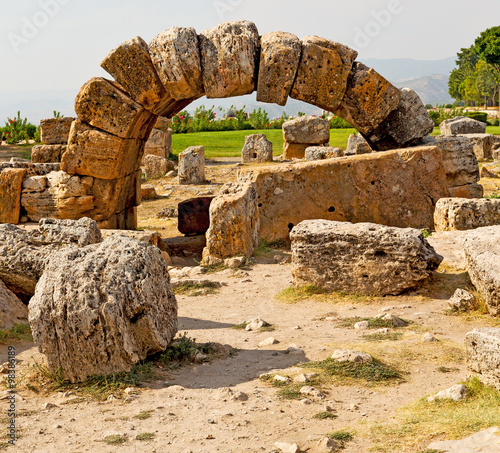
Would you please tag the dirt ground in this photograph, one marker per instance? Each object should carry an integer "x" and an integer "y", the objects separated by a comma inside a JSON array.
[{"x": 198, "y": 407}]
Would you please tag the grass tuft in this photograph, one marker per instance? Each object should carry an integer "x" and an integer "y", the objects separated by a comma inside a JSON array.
[
  {"x": 291, "y": 295},
  {"x": 115, "y": 439},
  {"x": 325, "y": 416},
  {"x": 341, "y": 436},
  {"x": 196, "y": 289},
  {"x": 145, "y": 436},
  {"x": 19, "y": 332},
  {"x": 374, "y": 323},
  {"x": 144, "y": 415}
]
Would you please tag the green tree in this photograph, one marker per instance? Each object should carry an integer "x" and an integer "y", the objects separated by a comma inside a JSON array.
[
  {"x": 485, "y": 81},
  {"x": 459, "y": 85},
  {"x": 487, "y": 46}
]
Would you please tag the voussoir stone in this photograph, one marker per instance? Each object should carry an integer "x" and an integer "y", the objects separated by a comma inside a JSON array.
[
  {"x": 466, "y": 214},
  {"x": 307, "y": 130},
  {"x": 462, "y": 125},
  {"x": 257, "y": 149},
  {"x": 279, "y": 61},
  {"x": 11, "y": 185},
  {"x": 405, "y": 126},
  {"x": 24, "y": 254},
  {"x": 229, "y": 58},
  {"x": 176, "y": 56},
  {"x": 482, "y": 256},
  {"x": 192, "y": 166},
  {"x": 323, "y": 71},
  {"x": 482, "y": 354},
  {"x": 103, "y": 105},
  {"x": 368, "y": 100},
  {"x": 131, "y": 66},
  {"x": 55, "y": 131},
  {"x": 234, "y": 223},
  {"x": 101, "y": 309},
  {"x": 362, "y": 258}
]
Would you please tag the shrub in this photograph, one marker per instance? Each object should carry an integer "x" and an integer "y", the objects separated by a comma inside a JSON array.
[
  {"x": 339, "y": 123},
  {"x": 479, "y": 116},
  {"x": 494, "y": 122}
]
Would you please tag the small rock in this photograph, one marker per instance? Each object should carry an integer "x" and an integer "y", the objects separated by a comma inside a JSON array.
[
  {"x": 363, "y": 325},
  {"x": 306, "y": 402},
  {"x": 111, "y": 398},
  {"x": 287, "y": 448},
  {"x": 268, "y": 342},
  {"x": 48, "y": 406},
  {"x": 198, "y": 270},
  {"x": 396, "y": 321},
  {"x": 200, "y": 357},
  {"x": 235, "y": 263},
  {"x": 255, "y": 324},
  {"x": 344, "y": 355},
  {"x": 328, "y": 445},
  {"x": 383, "y": 331},
  {"x": 294, "y": 350},
  {"x": 429, "y": 338},
  {"x": 131, "y": 391},
  {"x": 311, "y": 391},
  {"x": 305, "y": 378},
  {"x": 462, "y": 300},
  {"x": 57, "y": 426},
  {"x": 282, "y": 379},
  {"x": 455, "y": 393},
  {"x": 297, "y": 328}
]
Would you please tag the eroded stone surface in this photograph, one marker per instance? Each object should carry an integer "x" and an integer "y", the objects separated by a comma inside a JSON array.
[
  {"x": 279, "y": 61},
  {"x": 462, "y": 125},
  {"x": 55, "y": 131},
  {"x": 483, "y": 145},
  {"x": 192, "y": 165},
  {"x": 357, "y": 145},
  {"x": 322, "y": 152},
  {"x": 43, "y": 154},
  {"x": 257, "y": 149},
  {"x": 103, "y": 308},
  {"x": 307, "y": 129},
  {"x": 362, "y": 258},
  {"x": 11, "y": 184},
  {"x": 482, "y": 354},
  {"x": 157, "y": 167},
  {"x": 466, "y": 214},
  {"x": 229, "y": 55},
  {"x": 12, "y": 310}
]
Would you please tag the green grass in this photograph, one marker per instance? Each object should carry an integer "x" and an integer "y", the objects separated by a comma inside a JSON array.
[
  {"x": 375, "y": 323},
  {"x": 144, "y": 415},
  {"x": 341, "y": 436},
  {"x": 291, "y": 295},
  {"x": 196, "y": 289},
  {"x": 391, "y": 336},
  {"x": 230, "y": 143},
  {"x": 19, "y": 332},
  {"x": 325, "y": 416},
  {"x": 145, "y": 436},
  {"x": 115, "y": 439}
]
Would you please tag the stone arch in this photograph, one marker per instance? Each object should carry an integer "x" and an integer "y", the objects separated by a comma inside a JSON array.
[{"x": 115, "y": 118}]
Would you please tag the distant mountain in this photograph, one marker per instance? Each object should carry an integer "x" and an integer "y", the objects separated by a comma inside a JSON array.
[{"x": 431, "y": 89}]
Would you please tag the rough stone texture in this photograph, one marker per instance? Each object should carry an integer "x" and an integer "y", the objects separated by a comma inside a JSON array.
[
  {"x": 405, "y": 126},
  {"x": 486, "y": 441},
  {"x": 462, "y": 300},
  {"x": 234, "y": 223},
  {"x": 193, "y": 215},
  {"x": 24, "y": 254},
  {"x": 295, "y": 150},
  {"x": 455, "y": 393},
  {"x": 11, "y": 184},
  {"x": 345, "y": 355},
  {"x": 176, "y": 57},
  {"x": 466, "y": 214},
  {"x": 193, "y": 244},
  {"x": 157, "y": 167},
  {"x": 362, "y": 258},
  {"x": 323, "y": 72},
  {"x": 229, "y": 59},
  {"x": 482, "y": 256},
  {"x": 192, "y": 166},
  {"x": 496, "y": 153},
  {"x": 357, "y": 145},
  {"x": 462, "y": 125},
  {"x": 279, "y": 61},
  {"x": 322, "y": 152},
  {"x": 103, "y": 308},
  {"x": 157, "y": 144},
  {"x": 482, "y": 354},
  {"x": 307, "y": 129},
  {"x": 103, "y": 105},
  {"x": 468, "y": 191},
  {"x": 93, "y": 152},
  {"x": 459, "y": 159},
  {"x": 44, "y": 154},
  {"x": 257, "y": 149},
  {"x": 131, "y": 66},
  {"x": 55, "y": 131},
  {"x": 397, "y": 188},
  {"x": 12, "y": 310},
  {"x": 31, "y": 169},
  {"x": 483, "y": 145},
  {"x": 368, "y": 100},
  {"x": 149, "y": 236},
  {"x": 148, "y": 192},
  {"x": 163, "y": 124}
]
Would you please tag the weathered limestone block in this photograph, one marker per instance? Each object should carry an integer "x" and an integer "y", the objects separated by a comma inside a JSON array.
[
  {"x": 103, "y": 105},
  {"x": 163, "y": 124},
  {"x": 323, "y": 72},
  {"x": 466, "y": 214},
  {"x": 257, "y": 149},
  {"x": 482, "y": 256},
  {"x": 101, "y": 309},
  {"x": 57, "y": 195},
  {"x": 234, "y": 223},
  {"x": 192, "y": 166},
  {"x": 148, "y": 192},
  {"x": 459, "y": 159},
  {"x": 194, "y": 215},
  {"x": 482, "y": 354},
  {"x": 43, "y": 154},
  {"x": 462, "y": 125},
  {"x": 24, "y": 254},
  {"x": 131, "y": 66},
  {"x": 361, "y": 258},
  {"x": 496, "y": 153},
  {"x": 55, "y": 131},
  {"x": 322, "y": 152},
  {"x": 404, "y": 126},
  {"x": 11, "y": 184},
  {"x": 229, "y": 59},
  {"x": 307, "y": 129},
  {"x": 483, "y": 145},
  {"x": 357, "y": 145},
  {"x": 176, "y": 57},
  {"x": 468, "y": 191},
  {"x": 279, "y": 61},
  {"x": 295, "y": 150},
  {"x": 396, "y": 188},
  {"x": 124, "y": 220},
  {"x": 32, "y": 169},
  {"x": 156, "y": 144},
  {"x": 93, "y": 152},
  {"x": 368, "y": 100},
  {"x": 12, "y": 310},
  {"x": 156, "y": 167}
]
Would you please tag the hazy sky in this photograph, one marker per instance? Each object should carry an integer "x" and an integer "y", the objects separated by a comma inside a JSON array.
[{"x": 59, "y": 44}]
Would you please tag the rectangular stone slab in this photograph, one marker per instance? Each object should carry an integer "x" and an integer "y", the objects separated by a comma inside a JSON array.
[
  {"x": 482, "y": 353},
  {"x": 11, "y": 185},
  {"x": 394, "y": 188},
  {"x": 55, "y": 131}
]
